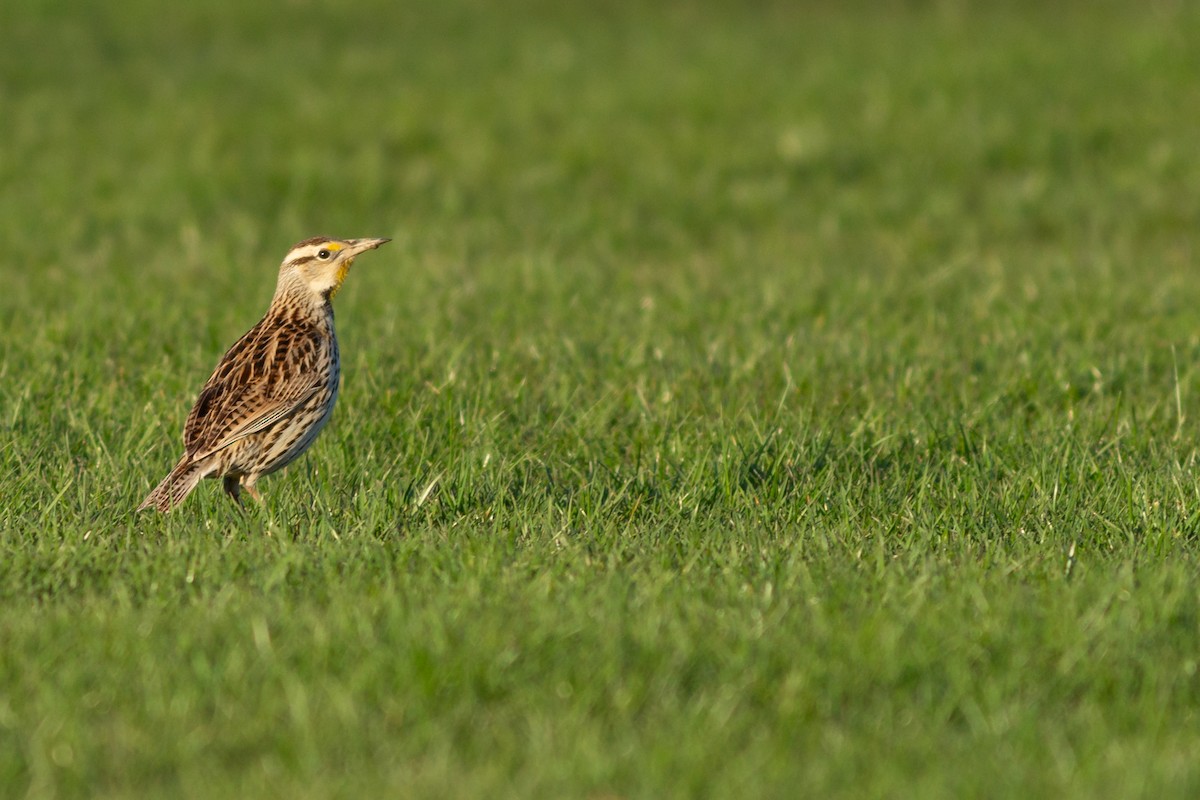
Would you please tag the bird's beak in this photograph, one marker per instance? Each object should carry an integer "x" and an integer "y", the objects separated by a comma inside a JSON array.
[{"x": 356, "y": 246}]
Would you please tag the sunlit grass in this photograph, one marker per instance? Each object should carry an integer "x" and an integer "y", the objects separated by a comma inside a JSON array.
[{"x": 776, "y": 401}]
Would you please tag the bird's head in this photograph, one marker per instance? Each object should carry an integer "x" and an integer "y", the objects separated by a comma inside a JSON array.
[{"x": 319, "y": 265}]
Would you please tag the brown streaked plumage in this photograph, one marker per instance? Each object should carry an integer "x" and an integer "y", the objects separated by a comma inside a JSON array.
[{"x": 273, "y": 391}]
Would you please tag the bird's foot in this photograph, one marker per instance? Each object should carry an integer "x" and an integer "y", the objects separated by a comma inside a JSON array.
[{"x": 233, "y": 487}]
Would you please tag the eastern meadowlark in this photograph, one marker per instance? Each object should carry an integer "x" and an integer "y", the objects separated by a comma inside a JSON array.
[{"x": 273, "y": 391}]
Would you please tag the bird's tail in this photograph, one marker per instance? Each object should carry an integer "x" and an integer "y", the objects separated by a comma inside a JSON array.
[{"x": 176, "y": 486}]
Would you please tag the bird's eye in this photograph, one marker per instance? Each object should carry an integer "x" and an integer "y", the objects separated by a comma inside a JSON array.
[{"x": 323, "y": 254}]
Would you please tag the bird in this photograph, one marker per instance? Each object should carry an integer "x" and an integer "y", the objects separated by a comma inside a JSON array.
[{"x": 275, "y": 388}]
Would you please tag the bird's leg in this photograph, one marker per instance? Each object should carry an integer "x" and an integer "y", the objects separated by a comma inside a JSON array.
[
  {"x": 233, "y": 488},
  {"x": 252, "y": 490}
]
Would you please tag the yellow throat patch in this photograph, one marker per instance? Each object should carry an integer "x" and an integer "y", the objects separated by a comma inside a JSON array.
[{"x": 342, "y": 271}]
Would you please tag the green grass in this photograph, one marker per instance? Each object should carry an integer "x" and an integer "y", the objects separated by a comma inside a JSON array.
[{"x": 718, "y": 423}]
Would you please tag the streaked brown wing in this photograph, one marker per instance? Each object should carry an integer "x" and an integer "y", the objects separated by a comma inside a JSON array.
[{"x": 265, "y": 375}]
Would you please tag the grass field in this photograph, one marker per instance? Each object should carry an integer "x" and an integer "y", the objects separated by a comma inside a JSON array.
[{"x": 719, "y": 423}]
